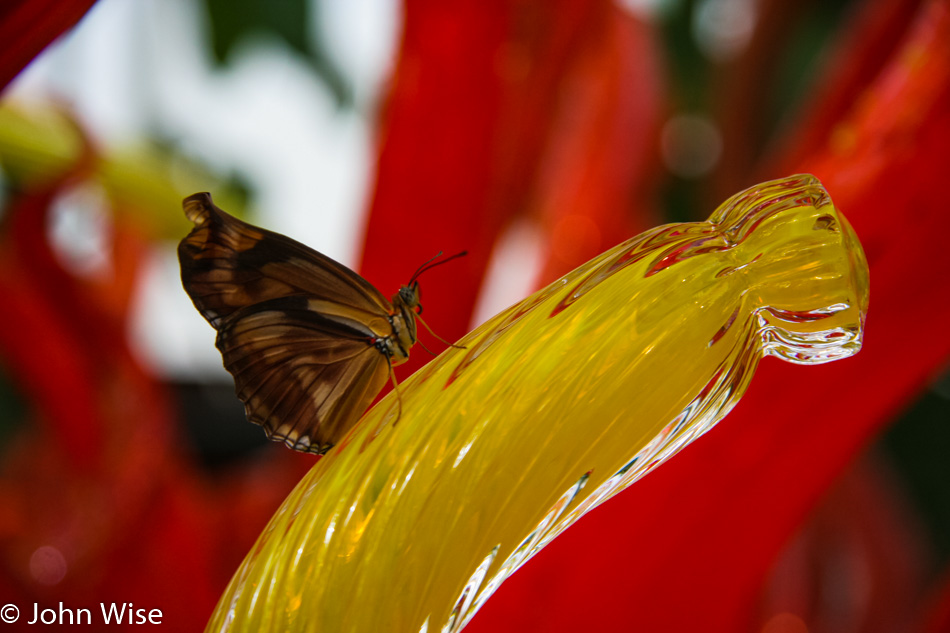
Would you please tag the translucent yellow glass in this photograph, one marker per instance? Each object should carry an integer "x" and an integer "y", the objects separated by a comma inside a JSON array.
[{"x": 555, "y": 405}]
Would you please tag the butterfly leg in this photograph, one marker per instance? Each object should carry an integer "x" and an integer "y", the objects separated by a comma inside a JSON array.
[
  {"x": 426, "y": 326},
  {"x": 392, "y": 377}
]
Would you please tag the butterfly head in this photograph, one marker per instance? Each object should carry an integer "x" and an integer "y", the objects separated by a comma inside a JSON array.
[
  {"x": 410, "y": 296},
  {"x": 407, "y": 302}
]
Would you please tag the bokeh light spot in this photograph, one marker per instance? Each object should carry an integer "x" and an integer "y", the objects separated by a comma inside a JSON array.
[
  {"x": 81, "y": 230},
  {"x": 722, "y": 28},
  {"x": 691, "y": 145},
  {"x": 48, "y": 565}
]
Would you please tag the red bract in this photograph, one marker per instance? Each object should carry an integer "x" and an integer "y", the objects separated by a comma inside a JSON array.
[
  {"x": 94, "y": 481},
  {"x": 534, "y": 111},
  {"x": 28, "y": 26},
  {"x": 688, "y": 547},
  {"x": 80, "y": 473}
]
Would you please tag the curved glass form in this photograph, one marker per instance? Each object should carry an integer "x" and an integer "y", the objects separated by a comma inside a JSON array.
[{"x": 555, "y": 405}]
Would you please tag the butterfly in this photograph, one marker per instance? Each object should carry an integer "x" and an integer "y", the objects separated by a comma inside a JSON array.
[{"x": 308, "y": 341}]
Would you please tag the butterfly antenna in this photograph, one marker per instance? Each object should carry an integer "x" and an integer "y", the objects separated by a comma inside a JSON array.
[
  {"x": 429, "y": 264},
  {"x": 426, "y": 326}
]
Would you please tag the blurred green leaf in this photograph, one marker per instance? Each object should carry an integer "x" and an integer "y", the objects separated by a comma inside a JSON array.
[
  {"x": 918, "y": 444},
  {"x": 233, "y": 21},
  {"x": 13, "y": 408}
]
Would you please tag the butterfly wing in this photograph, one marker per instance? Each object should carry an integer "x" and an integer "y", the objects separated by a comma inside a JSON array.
[
  {"x": 296, "y": 329},
  {"x": 302, "y": 376},
  {"x": 227, "y": 264}
]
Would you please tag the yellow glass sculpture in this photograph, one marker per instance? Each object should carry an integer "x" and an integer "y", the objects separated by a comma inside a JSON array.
[{"x": 555, "y": 405}]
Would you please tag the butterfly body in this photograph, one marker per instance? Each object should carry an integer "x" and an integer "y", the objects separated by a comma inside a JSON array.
[
  {"x": 308, "y": 341},
  {"x": 403, "y": 325}
]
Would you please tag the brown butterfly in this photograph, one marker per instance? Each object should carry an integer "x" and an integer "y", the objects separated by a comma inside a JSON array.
[{"x": 308, "y": 341}]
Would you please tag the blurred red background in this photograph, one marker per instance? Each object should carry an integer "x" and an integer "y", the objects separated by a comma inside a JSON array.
[{"x": 819, "y": 504}]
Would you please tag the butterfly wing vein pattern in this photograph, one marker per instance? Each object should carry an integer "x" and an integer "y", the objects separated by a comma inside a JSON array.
[{"x": 309, "y": 342}]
